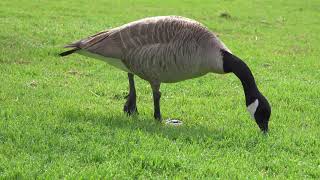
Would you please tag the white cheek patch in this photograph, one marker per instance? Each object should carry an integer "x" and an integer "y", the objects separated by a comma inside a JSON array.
[{"x": 253, "y": 107}]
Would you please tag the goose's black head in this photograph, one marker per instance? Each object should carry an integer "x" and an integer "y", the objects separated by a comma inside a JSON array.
[{"x": 260, "y": 111}]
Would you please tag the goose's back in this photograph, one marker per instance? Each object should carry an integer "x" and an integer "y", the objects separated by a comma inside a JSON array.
[{"x": 167, "y": 48}]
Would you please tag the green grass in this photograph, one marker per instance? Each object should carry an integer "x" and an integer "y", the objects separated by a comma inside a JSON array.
[{"x": 62, "y": 117}]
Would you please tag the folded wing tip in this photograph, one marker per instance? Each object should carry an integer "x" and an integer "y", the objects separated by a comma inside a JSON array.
[{"x": 65, "y": 53}]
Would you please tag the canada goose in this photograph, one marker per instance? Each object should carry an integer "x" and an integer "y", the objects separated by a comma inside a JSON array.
[{"x": 170, "y": 49}]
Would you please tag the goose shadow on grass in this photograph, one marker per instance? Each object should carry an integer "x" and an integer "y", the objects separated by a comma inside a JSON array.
[{"x": 146, "y": 124}]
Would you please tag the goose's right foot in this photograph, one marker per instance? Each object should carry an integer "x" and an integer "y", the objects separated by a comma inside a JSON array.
[
  {"x": 156, "y": 100},
  {"x": 130, "y": 106},
  {"x": 157, "y": 117}
]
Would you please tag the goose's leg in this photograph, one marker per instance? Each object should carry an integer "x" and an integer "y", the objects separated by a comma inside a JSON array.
[
  {"x": 131, "y": 107},
  {"x": 156, "y": 100}
]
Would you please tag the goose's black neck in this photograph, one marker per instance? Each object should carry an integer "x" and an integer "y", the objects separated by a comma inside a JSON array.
[{"x": 234, "y": 64}]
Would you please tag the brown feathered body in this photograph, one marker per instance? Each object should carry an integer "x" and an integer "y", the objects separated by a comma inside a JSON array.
[{"x": 158, "y": 49}]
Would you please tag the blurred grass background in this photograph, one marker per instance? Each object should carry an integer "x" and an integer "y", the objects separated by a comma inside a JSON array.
[{"x": 62, "y": 117}]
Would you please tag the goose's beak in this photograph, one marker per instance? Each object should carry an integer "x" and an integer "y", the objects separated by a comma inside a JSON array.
[
  {"x": 264, "y": 128},
  {"x": 265, "y": 131}
]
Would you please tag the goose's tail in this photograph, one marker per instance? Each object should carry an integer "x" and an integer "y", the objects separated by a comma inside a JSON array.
[
  {"x": 75, "y": 46},
  {"x": 66, "y": 53},
  {"x": 85, "y": 43}
]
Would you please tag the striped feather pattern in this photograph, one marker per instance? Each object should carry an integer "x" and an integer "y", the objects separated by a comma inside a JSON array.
[{"x": 160, "y": 49}]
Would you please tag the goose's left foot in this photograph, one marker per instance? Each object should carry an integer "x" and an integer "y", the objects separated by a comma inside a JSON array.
[{"x": 130, "y": 107}]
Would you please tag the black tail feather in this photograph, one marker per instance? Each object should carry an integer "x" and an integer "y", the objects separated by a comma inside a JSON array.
[{"x": 69, "y": 52}]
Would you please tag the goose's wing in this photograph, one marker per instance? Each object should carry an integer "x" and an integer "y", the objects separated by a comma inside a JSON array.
[
  {"x": 162, "y": 30},
  {"x": 144, "y": 33}
]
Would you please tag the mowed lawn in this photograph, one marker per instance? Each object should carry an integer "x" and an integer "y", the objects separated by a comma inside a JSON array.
[{"x": 62, "y": 117}]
